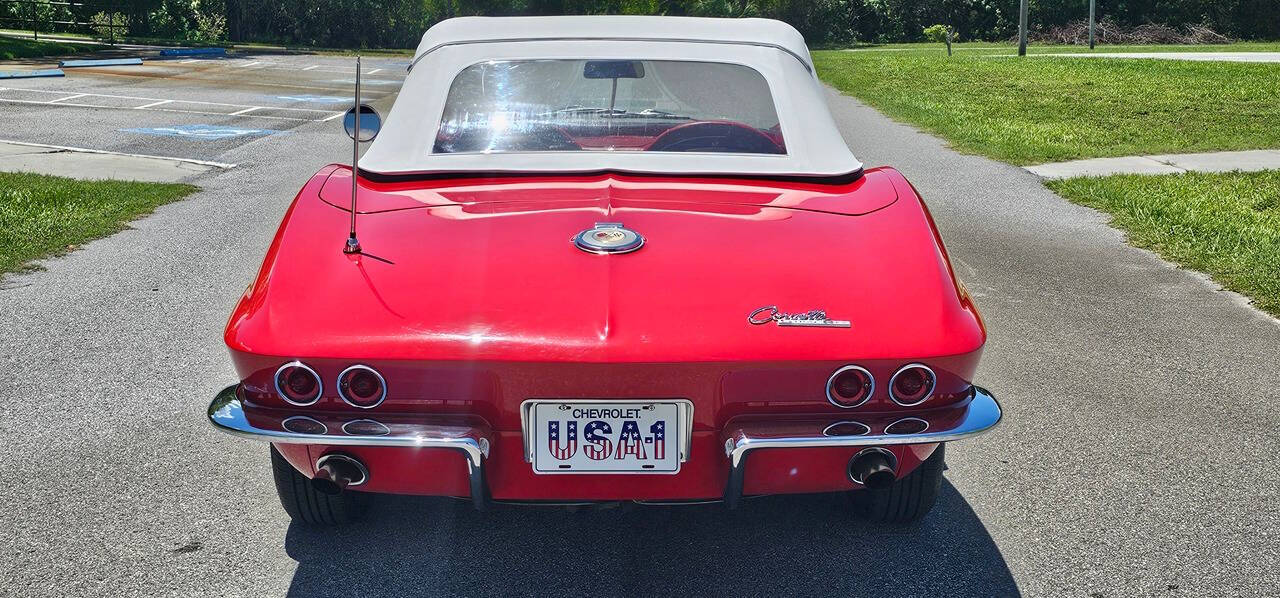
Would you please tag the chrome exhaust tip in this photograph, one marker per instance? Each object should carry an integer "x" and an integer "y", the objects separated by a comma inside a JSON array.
[
  {"x": 336, "y": 471},
  {"x": 873, "y": 468}
]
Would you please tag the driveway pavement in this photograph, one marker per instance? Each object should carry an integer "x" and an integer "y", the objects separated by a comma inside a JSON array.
[{"x": 1136, "y": 458}]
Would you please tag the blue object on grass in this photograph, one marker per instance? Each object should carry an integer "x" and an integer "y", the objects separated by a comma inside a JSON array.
[{"x": 193, "y": 51}]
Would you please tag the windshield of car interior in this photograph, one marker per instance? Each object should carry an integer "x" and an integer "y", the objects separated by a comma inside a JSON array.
[{"x": 609, "y": 105}]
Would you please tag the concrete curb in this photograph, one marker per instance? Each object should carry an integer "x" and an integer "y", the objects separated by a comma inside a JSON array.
[
  {"x": 91, "y": 164},
  {"x": 31, "y": 74},
  {"x": 100, "y": 62},
  {"x": 1243, "y": 161}
]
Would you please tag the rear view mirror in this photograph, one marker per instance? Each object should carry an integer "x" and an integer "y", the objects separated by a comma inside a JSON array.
[
  {"x": 370, "y": 123},
  {"x": 613, "y": 69}
]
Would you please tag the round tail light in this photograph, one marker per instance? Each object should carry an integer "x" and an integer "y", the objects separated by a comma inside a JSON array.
[
  {"x": 850, "y": 387},
  {"x": 298, "y": 384},
  {"x": 362, "y": 386},
  {"x": 912, "y": 384}
]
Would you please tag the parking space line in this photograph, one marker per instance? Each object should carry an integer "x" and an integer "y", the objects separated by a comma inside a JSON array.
[
  {"x": 203, "y": 112},
  {"x": 311, "y": 67},
  {"x": 335, "y": 115},
  {"x": 245, "y": 111},
  {"x": 242, "y": 66},
  {"x": 152, "y": 104},
  {"x": 188, "y": 61},
  {"x": 375, "y": 71},
  {"x": 146, "y": 99},
  {"x": 70, "y": 97}
]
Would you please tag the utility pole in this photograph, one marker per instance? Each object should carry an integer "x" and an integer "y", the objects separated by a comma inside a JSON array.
[
  {"x": 1093, "y": 6},
  {"x": 1022, "y": 28}
]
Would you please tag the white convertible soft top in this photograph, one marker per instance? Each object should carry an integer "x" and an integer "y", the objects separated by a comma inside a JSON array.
[{"x": 773, "y": 48}]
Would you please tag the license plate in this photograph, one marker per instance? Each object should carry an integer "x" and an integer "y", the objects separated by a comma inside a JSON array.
[{"x": 606, "y": 437}]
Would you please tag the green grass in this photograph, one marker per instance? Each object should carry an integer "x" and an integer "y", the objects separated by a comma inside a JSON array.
[
  {"x": 1005, "y": 47},
  {"x": 1226, "y": 225},
  {"x": 12, "y": 48},
  {"x": 43, "y": 215},
  {"x": 1036, "y": 110}
]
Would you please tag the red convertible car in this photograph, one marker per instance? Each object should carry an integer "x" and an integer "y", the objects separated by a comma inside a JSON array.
[{"x": 603, "y": 259}]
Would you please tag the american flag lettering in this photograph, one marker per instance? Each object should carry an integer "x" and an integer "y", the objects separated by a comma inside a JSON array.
[
  {"x": 630, "y": 442},
  {"x": 659, "y": 431},
  {"x": 596, "y": 445},
  {"x": 562, "y": 450}
]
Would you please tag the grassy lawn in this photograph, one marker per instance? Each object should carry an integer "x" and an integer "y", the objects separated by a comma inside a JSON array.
[
  {"x": 43, "y": 215},
  {"x": 11, "y": 48},
  {"x": 1226, "y": 225},
  {"x": 1003, "y": 47},
  {"x": 1036, "y": 110}
]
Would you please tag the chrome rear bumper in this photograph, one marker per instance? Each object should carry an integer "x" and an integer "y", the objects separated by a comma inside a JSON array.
[
  {"x": 976, "y": 415},
  {"x": 227, "y": 413}
]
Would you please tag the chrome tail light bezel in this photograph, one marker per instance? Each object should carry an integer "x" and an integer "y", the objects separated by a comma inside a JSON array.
[
  {"x": 275, "y": 380},
  {"x": 933, "y": 384},
  {"x": 361, "y": 367},
  {"x": 831, "y": 397}
]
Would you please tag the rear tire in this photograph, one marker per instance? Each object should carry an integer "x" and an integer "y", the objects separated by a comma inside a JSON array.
[
  {"x": 908, "y": 499},
  {"x": 305, "y": 504}
]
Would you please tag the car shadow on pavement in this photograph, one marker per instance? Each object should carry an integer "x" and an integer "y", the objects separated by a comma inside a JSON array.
[{"x": 782, "y": 545}]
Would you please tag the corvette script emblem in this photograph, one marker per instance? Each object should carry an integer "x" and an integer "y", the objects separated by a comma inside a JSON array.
[
  {"x": 608, "y": 237},
  {"x": 814, "y": 318}
]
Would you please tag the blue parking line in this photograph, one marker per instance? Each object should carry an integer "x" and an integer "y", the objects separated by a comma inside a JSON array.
[
  {"x": 29, "y": 74},
  {"x": 106, "y": 62},
  {"x": 201, "y": 132},
  {"x": 193, "y": 51},
  {"x": 315, "y": 99}
]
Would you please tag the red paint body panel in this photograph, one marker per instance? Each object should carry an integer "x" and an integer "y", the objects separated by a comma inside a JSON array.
[{"x": 471, "y": 299}]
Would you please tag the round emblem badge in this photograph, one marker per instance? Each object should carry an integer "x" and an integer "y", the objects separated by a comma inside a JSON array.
[{"x": 608, "y": 237}]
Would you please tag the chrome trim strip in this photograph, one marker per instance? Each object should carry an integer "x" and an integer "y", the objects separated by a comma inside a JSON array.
[
  {"x": 933, "y": 376},
  {"x": 227, "y": 414},
  {"x": 364, "y": 471},
  {"x": 893, "y": 461},
  {"x": 832, "y": 380},
  {"x": 686, "y": 420},
  {"x": 509, "y": 40},
  {"x": 982, "y": 414},
  {"x": 360, "y": 366},
  {"x": 275, "y": 380}
]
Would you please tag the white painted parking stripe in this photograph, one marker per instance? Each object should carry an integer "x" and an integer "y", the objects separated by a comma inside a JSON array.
[
  {"x": 311, "y": 67},
  {"x": 249, "y": 65},
  {"x": 70, "y": 97},
  {"x": 152, "y": 104},
  {"x": 188, "y": 61},
  {"x": 41, "y": 103},
  {"x": 96, "y": 151},
  {"x": 146, "y": 99},
  {"x": 335, "y": 115},
  {"x": 245, "y": 111},
  {"x": 375, "y": 71}
]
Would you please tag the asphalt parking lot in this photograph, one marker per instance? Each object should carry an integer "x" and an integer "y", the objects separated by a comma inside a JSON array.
[{"x": 1136, "y": 459}]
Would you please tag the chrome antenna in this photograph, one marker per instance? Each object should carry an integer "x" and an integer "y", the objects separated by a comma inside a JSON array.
[{"x": 353, "y": 244}]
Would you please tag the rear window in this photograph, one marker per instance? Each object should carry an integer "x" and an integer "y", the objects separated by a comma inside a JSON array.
[{"x": 609, "y": 105}]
